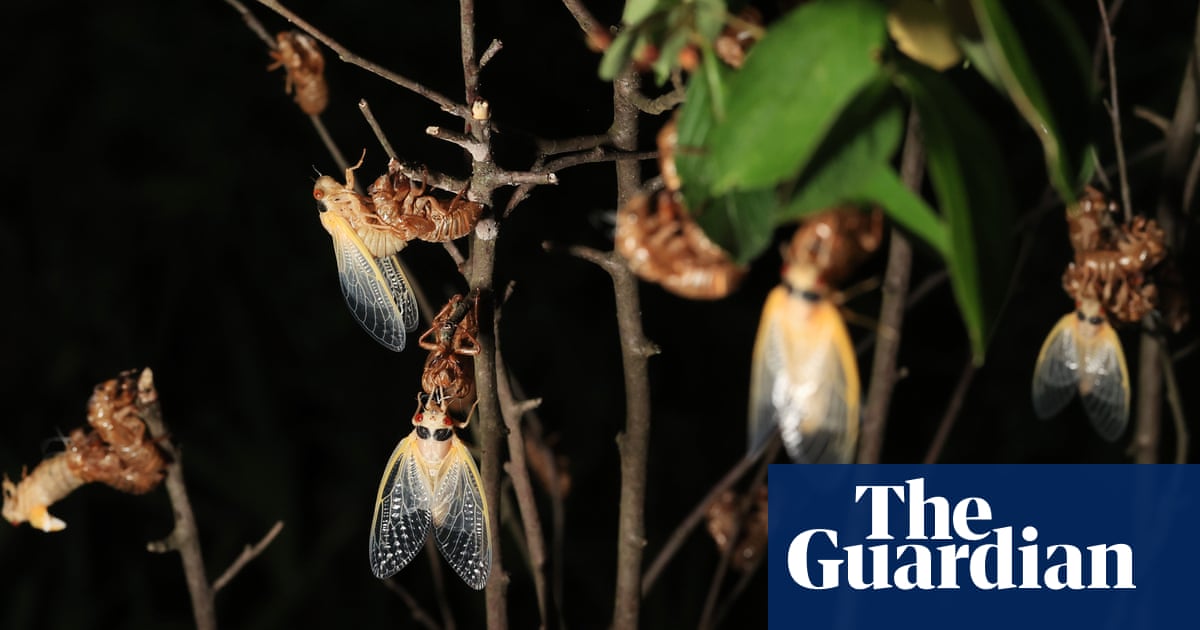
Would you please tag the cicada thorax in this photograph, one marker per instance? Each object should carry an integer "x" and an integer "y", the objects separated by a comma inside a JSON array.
[
  {"x": 301, "y": 58},
  {"x": 381, "y": 238},
  {"x": 834, "y": 242},
  {"x": 434, "y": 428}
]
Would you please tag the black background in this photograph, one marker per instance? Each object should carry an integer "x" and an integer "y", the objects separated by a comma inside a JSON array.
[{"x": 158, "y": 212}]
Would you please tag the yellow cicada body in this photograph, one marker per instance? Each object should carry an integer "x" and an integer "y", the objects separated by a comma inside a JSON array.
[
  {"x": 1083, "y": 354},
  {"x": 431, "y": 480}
]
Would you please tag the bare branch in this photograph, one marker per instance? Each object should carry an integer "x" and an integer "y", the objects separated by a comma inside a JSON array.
[
  {"x": 330, "y": 145},
  {"x": 891, "y": 312},
  {"x": 1175, "y": 400},
  {"x": 477, "y": 149},
  {"x": 1114, "y": 111},
  {"x": 952, "y": 409},
  {"x": 547, "y": 147},
  {"x": 414, "y": 607},
  {"x": 659, "y": 104},
  {"x": 184, "y": 538},
  {"x": 248, "y": 554},
  {"x": 253, "y": 23},
  {"x": 383, "y": 141},
  {"x": 345, "y": 55},
  {"x": 493, "y": 48}
]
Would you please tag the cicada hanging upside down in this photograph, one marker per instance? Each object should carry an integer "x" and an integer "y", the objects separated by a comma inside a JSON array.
[
  {"x": 1107, "y": 279},
  {"x": 373, "y": 282},
  {"x": 431, "y": 480},
  {"x": 301, "y": 58},
  {"x": 804, "y": 377}
]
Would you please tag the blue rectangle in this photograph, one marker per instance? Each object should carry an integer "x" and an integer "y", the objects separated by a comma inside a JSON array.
[{"x": 1142, "y": 521}]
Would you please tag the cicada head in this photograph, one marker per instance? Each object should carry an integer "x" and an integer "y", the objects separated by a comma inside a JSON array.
[{"x": 12, "y": 511}]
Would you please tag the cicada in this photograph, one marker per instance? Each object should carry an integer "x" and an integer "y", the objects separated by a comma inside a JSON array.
[
  {"x": 416, "y": 213},
  {"x": 301, "y": 58},
  {"x": 373, "y": 282},
  {"x": 1083, "y": 354},
  {"x": 804, "y": 377},
  {"x": 1108, "y": 281},
  {"x": 431, "y": 480}
]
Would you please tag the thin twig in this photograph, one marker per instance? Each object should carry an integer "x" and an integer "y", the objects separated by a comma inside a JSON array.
[
  {"x": 489, "y": 52},
  {"x": 891, "y": 312},
  {"x": 518, "y": 471},
  {"x": 680, "y": 535},
  {"x": 1175, "y": 400},
  {"x": 952, "y": 409},
  {"x": 330, "y": 145},
  {"x": 184, "y": 538},
  {"x": 1114, "y": 111},
  {"x": 470, "y": 144},
  {"x": 345, "y": 55},
  {"x": 582, "y": 16},
  {"x": 737, "y": 590},
  {"x": 379, "y": 135},
  {"x": 547, "y": 147},
  {"x": 1154, "y": 118},
  {"x": 248, "y": 554},
  {"x": 414, "y": 607},
  {"x": 439, "y": 584},
  {"x": 714, "y": 587},
  {"x": 253, "y": 23},
  {"x": 659, "y": 104}
]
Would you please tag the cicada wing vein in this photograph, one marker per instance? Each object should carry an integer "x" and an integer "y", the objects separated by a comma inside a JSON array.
[
  {"x": 804, "y": 379},
  {"x": 1056, "y": 373},
  {"x": 368, "y": 290},
  {"x": 1104, "y": 382},
  {"x": 401, "y": 290},
  {"x": 460, "y": 517},
  {"x": 402, "y": 511}
]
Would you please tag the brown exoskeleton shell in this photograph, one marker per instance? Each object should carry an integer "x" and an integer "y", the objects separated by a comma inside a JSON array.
[
  {"x": 751, "y": 537},
  {"x": 405, "y": 204},
  {"x": 381, "y": 238},
  {"x": 451, "y": 341},
  {"x": 301, "y": 58},
  {"x": 833, "y": 242}
]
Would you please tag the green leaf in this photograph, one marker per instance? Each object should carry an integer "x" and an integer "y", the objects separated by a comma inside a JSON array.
[
  {"x": 638, "y": 10},
  {"x": 740, "y": 222},
  {"x": 696, "y": 120},
  {"x": 973, "y": 193},
  {"x": 1032, "y": 51},
  {"x": 883, "y": 187},
  {"x": 789, "y": 93}
]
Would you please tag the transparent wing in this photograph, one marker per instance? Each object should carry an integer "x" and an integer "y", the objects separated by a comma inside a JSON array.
[
  {"x": 401, "y": 291},
  {"x": 804, "y": 379},
  {"x": 460, "y": 517},
  {"x": 402, "y": 515},
  {"x": 1056, "y": 374},
  {"x": 1104, "y": 382},
  {"x": 368, "y": 291}
]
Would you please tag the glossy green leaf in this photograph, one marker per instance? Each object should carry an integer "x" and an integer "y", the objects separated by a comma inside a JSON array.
[
  {"x": 696, "y": 119},
  {"x": 791, "y": 90},
  {"x": 638, "y": 10},
  {"x": 1032, "y": 51},
  {"x": 973, "y": 193},
  {"x": 741, "y": 222}
]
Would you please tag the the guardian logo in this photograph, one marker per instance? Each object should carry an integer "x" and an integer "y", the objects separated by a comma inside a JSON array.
[{"x": 974, "y": 554}]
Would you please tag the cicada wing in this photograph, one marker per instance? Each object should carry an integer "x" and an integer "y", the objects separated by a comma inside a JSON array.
[
  {"x": 368, "y": 291},
  {"x": 460, "y": 517},
  {"x": 402, "y": 511},
  {"x": 805, "y": 381},
  {"x": 401, "y": 290},
  {"x": 1056, "y": 374},
  {"x": 1104, "y": 382}
]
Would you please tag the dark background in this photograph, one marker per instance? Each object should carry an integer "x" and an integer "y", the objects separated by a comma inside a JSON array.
[{"x": 159, "y": 213}]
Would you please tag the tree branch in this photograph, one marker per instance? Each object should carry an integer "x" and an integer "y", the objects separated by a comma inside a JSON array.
[
  {"x": 891, "y": 312},
  {"x": 951, "y": 415},
  {"x": 1114, "y": 111},
  {"x": 345, "y": 55},
  {"x": 248, "y": 554},
  {"x": 184, "y": 538}
]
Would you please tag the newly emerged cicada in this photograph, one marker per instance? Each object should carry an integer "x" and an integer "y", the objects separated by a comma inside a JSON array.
[
  {"x": 431, "y": 482},
  {"x": 1107, "y": 279},
  {"x": 373, "y": 282},
  {"x": 804, "y": 377},
  {"x": 301, "y": 58}
]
